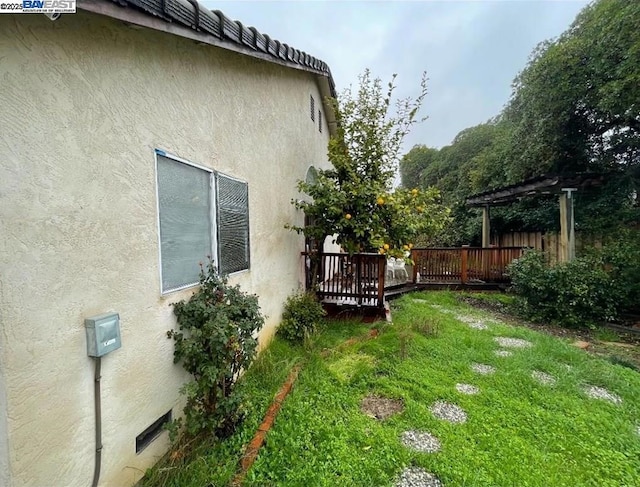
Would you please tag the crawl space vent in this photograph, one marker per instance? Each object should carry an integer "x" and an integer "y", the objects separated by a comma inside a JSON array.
[{"x": 152, "y": 432}]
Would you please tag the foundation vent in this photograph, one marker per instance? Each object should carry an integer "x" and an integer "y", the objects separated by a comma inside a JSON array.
[{"x": 152, "y": 432}]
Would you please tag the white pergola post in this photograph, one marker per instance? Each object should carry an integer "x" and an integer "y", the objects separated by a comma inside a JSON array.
[{"x": 567, "y": 226}]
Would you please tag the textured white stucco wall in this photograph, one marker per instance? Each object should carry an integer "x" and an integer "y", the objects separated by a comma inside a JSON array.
[
  {"x": 85, "y": 100},
  {"x": 5, "y": 480}
]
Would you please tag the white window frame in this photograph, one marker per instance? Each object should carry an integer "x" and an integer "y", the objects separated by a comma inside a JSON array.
[{"x": 212, "y": 216}]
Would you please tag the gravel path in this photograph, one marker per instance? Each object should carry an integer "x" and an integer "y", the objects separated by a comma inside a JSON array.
[
  {"x": 448, "y": 412},
  {"x": 507, "y": 342},
  {"x": 601, "y": 393},
  {"x": 421, "y": 441},
  {"x": 442, "y": 309},
  {"x": 417, "y": 477},
  {"x": 425, "y": 442},
  {"x": 467, "y": 389},
  {"x": 483, "y": 369},
  {"x": 543, "y": 378},
  {"x": 503, "y": 353},
  {"x": 473, "y": 322}
]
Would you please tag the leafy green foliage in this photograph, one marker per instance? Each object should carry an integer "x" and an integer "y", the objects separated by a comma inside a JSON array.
[
  {"x": 590, "y": 289},
  {"x": 621, "y": 258},
  {"x": 575, "y": 293},
  {"x": 575, "y": 106},
  {"x": 301, "y": 318},
  {"x": 216, "y": 341},
  {"x": 354, "y": 200}
]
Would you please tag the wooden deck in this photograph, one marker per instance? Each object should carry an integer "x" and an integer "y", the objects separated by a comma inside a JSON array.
[{"x": 364, "y": 280}]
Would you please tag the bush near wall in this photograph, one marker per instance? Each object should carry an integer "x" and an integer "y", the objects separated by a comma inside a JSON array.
[
  {"x": 215, "y": 343},
  {"x": 301, "y": 317},
  {"x": 582, "y": 292}
]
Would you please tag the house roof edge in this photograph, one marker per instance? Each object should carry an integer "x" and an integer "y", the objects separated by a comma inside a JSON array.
[{"x": 189, "y": 19}]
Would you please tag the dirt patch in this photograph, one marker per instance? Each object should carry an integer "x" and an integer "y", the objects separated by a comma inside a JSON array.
[{"x": 381, "y": 408}]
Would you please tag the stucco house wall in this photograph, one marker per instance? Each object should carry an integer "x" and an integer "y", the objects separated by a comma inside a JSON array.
[{"x": 85, "y": 101}]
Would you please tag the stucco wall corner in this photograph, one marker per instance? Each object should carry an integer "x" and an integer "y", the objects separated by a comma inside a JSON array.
[{"x": 5, "y": 473}]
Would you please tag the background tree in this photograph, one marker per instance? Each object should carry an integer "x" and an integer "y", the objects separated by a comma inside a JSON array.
[
  {"x": 574, "y": 108},
  {"x": 355, "y": 201}
]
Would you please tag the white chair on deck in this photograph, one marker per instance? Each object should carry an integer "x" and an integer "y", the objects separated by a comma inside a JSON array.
[
  {"x": 398, "y": 268},
  {"x": 391, "y": 262}
]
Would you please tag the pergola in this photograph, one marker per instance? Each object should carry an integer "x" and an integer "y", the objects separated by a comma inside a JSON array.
[{"x": 563, "y": 186}]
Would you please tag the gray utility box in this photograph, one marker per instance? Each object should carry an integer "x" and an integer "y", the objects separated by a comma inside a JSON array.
[{"x": 103, "y": 334}]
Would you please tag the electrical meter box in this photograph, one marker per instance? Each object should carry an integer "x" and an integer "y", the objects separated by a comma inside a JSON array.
[{"x": 103, "y": 334}]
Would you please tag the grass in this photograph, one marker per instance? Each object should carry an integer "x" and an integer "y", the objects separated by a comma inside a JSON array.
[{"x": 518, "y": 433}]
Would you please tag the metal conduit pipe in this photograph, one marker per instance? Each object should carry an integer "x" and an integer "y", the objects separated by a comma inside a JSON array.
[{"x": 98, "y": 415}]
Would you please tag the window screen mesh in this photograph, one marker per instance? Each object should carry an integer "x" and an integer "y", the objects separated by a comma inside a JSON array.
[
  {"x": 184, "y": 196},
  {"x": 312, "y": 105},
  {"x": 233, "y": 224}
]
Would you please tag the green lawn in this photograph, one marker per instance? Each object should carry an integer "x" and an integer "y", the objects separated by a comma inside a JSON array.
[{"x": 518, "y": 431}]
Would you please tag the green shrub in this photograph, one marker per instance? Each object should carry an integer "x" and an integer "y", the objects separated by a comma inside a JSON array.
[
  {"x": 576, "y": 293},
  {"x": 302, "y": 315},
  {"x": 621, "y": 258},
  {"x": 216, "y": 342}
]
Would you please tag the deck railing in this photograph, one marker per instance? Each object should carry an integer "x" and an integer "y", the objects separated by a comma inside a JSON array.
[
  {"x": 347, "y": 279},
  {"x": 463, "y": 265},
  {"x": 359, "y": 279}
]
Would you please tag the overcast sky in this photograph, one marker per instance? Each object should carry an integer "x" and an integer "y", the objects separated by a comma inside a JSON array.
[{"x": 471, "y": 50}]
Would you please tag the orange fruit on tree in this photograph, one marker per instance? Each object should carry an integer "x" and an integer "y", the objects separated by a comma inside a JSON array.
[
  {"x": 385, "y": 246},
  {"x": 348, "y": 216},
  {"x": 380, "y": 200}
]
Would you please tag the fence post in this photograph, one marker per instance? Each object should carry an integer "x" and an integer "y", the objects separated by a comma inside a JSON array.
[
  {"x": 415, "y": 267},
  {"x": 358, "y": 271},
  {"x": 381, "y": 276},
  {"x": 464, "y": 257}
]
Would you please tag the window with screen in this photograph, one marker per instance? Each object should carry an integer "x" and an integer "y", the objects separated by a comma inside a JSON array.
[
  {"x": 233, "y": 224},
  {"x": 200, "y": 213}
]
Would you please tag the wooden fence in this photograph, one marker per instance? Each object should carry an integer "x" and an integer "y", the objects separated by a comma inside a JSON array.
[
  {"x": 549, "y": 243},
  {"x": 359, "y": 279},
  {"x": 463, "y": 265}
]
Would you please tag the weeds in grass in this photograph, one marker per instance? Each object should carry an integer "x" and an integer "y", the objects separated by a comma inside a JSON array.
[
  {"x": 404, "y": 336},
  {"x": 429, "y": 327},
  {"x": 518, "y": 430},
  {"x": 622, "y": 361},
  {"x": 606, "y": 335}
]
